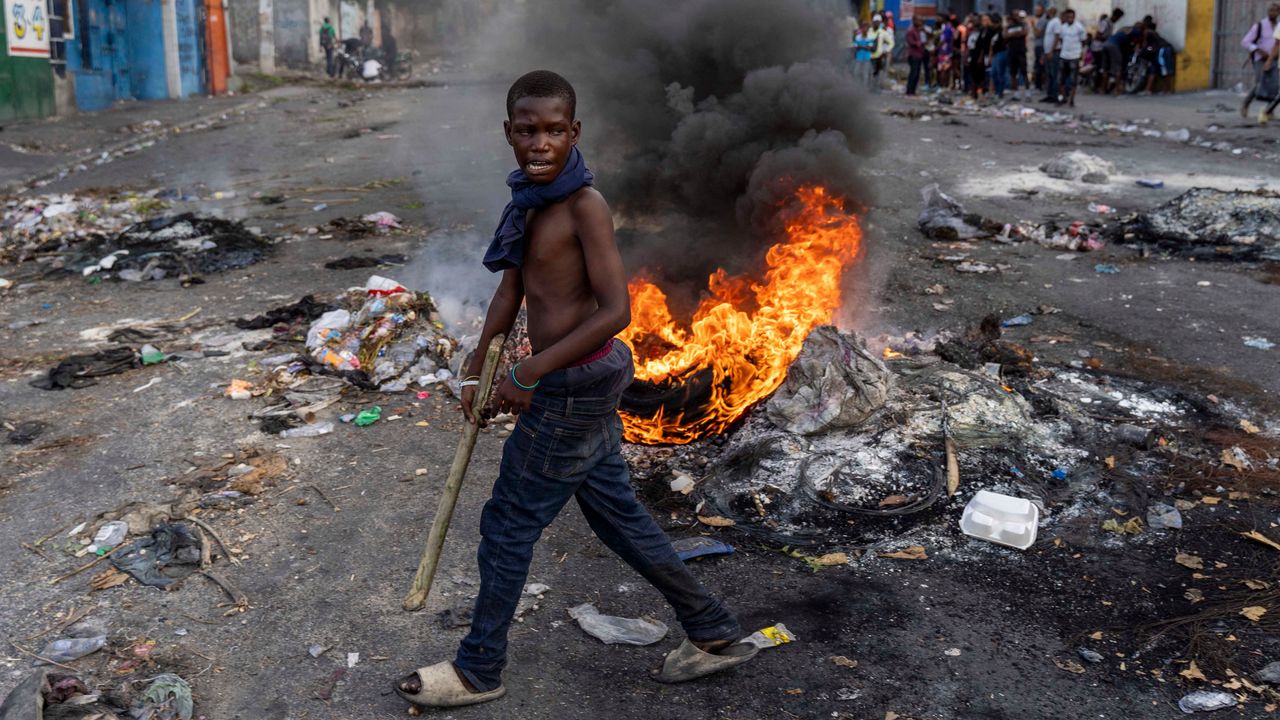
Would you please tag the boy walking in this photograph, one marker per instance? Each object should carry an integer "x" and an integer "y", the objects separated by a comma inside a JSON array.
[{"x": 556, "y": 251}]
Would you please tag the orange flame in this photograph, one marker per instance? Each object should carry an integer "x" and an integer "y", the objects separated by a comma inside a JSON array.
[
  {"x": 891, "y": 354},
  {"x": 745, "y": 332}
]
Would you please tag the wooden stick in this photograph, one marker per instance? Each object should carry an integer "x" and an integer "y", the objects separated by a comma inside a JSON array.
[
  {"x": 205, "y": 526},
  {"x": 41, "y": 659},
  {"x": 84, "y": 567},
  {"x": 953, "y": 467},
  {"x": 422, "y": 580},
  {"x": 949, "y": 445},
  {"x": 240, "y": 599}
]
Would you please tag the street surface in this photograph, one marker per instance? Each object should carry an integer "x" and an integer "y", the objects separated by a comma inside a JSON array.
[{"x": 969, "y": 633}]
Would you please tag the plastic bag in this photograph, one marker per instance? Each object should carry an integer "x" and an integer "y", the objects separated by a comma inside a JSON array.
[{"x": 616, "y": 630}]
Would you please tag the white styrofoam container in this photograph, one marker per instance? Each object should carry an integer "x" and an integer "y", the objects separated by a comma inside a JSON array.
[{"x": 1001, "y": 519}]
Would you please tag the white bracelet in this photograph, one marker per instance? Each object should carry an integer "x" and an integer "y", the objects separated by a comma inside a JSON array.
[{"x": 469, "y": 383}]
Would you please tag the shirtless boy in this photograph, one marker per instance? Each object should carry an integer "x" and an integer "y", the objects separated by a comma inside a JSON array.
[{"x": 556, "y": 251}]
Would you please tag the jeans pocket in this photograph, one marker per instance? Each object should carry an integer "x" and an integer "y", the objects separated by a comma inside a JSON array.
[{"x": 572, "y": 444}]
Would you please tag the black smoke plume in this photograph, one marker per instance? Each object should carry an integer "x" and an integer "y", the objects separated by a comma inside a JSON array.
[{"x": 700, "y": 116}]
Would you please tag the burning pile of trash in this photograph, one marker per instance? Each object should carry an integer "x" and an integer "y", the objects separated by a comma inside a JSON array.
[{"x": 853, "y": 450}]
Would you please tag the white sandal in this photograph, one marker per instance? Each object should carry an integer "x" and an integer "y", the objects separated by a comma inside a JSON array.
[{"x": 439, "y": 686}]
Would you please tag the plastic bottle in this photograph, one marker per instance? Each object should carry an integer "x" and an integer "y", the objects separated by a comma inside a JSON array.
[
  {"x": 151, "y": 355},
  {"x": 109, "y": 536},
  {"x": 312, "y": 430}
]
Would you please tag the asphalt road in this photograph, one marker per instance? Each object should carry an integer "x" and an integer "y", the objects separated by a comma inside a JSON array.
[{"x": 970, "y": 633}]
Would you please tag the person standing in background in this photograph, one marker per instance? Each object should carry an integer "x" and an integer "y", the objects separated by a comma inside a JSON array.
[
  {"x": 863, "y": 44},
  {"x": 1039, "y": 21},
  {"x": 327, "y": 37},
  {"x": 1015, "y": 37},
  {"x": 999, "y": 56},
  {"x": 882, "y": 51},
  {"x": 946, "y": 52},
  {"x": 1050, "y": 59},
  {"x": 980, "y": 55},
  {"x": 1071, "y": 38},
  {"x": 1259, "y": 42},
  {"x": 915, "y": 53},
  {"x": 1098, "y": 45}
]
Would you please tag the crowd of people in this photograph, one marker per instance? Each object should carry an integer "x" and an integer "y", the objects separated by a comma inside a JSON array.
[{"x": 990, "y": 55}]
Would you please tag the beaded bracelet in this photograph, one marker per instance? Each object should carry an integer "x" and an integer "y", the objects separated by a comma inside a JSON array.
[{"x": 516, "y": 380}]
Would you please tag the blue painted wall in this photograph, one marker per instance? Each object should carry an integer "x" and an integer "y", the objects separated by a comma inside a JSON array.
[
  {"x": 190, "y": 47},
  {"x": 146, "y": 49},
  {"x": 98, "y": 55}
]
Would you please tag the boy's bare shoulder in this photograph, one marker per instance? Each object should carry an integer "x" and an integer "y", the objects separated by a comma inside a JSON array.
[{"x": 587, "y": 201}]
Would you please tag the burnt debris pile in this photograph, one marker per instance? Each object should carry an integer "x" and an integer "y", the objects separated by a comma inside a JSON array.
[
  {"x": 1212, "y": 224},
  {"x": 853, "y": 451},
  {"x": 183, "y": 245}
]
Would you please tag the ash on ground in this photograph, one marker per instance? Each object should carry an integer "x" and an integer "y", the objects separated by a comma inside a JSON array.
[{"x": 1020, "y": 429}]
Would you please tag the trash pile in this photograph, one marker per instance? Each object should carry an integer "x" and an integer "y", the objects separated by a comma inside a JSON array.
[
  {"x": 943, "y": 105},
  {"x": 379, "y": 336},
  {"x": 393, "y": 338},
  {"x": 1080, "y": 167},
  {"x": 46, "y": 224},
  {"x": 119, "y": 236},
  {"x": 183, "y": 246},
  {"x": 50, "y": 695},
  {"x": 1208, "y": 223},
  {"x": 943, "y": 218},
  {"x": 850, "y": 448}
]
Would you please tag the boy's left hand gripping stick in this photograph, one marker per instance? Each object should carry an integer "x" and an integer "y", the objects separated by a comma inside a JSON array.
[{"x": 417, "y": 596}]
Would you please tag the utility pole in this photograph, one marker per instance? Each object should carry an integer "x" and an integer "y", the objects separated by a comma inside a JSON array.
[{"x": 266, "y": 38}]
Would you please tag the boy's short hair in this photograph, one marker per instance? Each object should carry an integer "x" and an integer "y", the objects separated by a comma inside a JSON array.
[{"x": 542, "y": 84}]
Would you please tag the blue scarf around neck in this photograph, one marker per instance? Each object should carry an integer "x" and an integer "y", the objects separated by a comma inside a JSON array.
[{"x": 506, "y": 252}]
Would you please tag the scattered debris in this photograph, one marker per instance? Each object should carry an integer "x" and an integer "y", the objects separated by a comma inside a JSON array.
[
  {"x": 1206, "y": 701},
  {"x": 700, "y": 546},
  {"x": 305, "y": 310},
  {"x": 912, "y": 552},
  {"x": 168, "y": 555},
  {"x": 1163, "y": 517},
  {"x": 1076, "y": 165},
  {"x": 1211, "y": 224},
  {"x": 945, "y": 219},
  {"x": 1090, "y": 656},
  {"x": 614, "y": 630},
  {"x": 770, "y": 637},
  {"x": 834, "y": 383},
  {"x": 355, "y": 262},
  {"x": 167, "y": 697},
  {"x": 79, "y": 371},
  {"x": 66, "y": 650},
  {"x": 1001, "y": 519}
]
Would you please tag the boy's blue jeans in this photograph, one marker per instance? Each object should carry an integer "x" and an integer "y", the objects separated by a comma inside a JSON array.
[{"x": 568, "y": 444}]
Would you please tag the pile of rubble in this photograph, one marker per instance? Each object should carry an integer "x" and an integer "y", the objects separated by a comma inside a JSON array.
[
  {"x": 1208, "y": 223},
  {"x": 851, "y": 450},
  {"x": 124, "y": 237}
]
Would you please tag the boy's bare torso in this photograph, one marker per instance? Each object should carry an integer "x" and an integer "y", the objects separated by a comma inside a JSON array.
[{"x": 557, "y": 288}]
